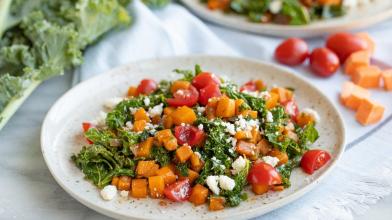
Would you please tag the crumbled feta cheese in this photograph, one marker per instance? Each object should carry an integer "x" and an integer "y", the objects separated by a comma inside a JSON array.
[
  {"x": 226, "y": 182},
  {"x": 197, "y": 154},
  {"x": 133, "y": 110},
  {"x": 156, "y": 110},
  {"x": 269, "y": 117},
  {"x": 124, "y": 193},
  {"x": 246, "y": 125},
  {"x": 200, "y": 127},
  {"x": 273, "y": 161},
  {"x": 146, "y": 101},
  {"x": 312, "y": 113},
  {"x": 111, "y": 103},
  {"x": 275, "y": 6},
  {"x": 109, "y": 192},
  {"x": 238, "y": 165},
  {"x": 233, "y": 141},
  {"x": 251, "y": 93},
  {"x": 212, "y": 183},
  {"x": 230, "y": 128},
  {"x": 265, "y": 95},
  {"x": 129, "y": 124}
]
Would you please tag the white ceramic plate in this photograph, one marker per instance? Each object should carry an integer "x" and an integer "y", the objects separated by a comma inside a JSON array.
[
  {"x": 62, "y": 136},
  {"x": 361, "y": 17}
]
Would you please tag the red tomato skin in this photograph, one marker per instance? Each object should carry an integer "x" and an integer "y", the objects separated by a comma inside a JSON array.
[
  {"x": 292, "y": 52},
  {"x": 182, "y": 97},
  {"x": 204, "y": 79},
  {"x": 324, "y": 62},
  {"x": 210, "y": 91},
  {"x": 291, "y": 108},
  {"x": 263, "y": 173},
  {"x": 249, "y": 86},
  {"x": 86, "y": 126},
  {"x": 344, "y": 44},
  {"x": 313, "y": 160},
  {"x": 146, "y": 87},
  {"x": 178, "y": 191},
  {"x": 188, "y": 134}
]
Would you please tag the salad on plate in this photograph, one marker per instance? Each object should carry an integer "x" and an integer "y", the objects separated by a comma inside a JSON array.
[{"x": 200, "y": 139}]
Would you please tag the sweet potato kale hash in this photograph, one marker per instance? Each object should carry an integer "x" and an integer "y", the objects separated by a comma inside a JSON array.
[{"x": 199, "y": 139}]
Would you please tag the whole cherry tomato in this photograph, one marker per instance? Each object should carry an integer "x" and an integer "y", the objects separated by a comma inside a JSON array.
[
  {"x": 181, "y": 97},
  {"x": 262, "y": 173},
  {"x": 292, "y": 51},
  {"x": 344, "y": 44},
  {"x": 188, "y": 134},
  {"x": 146, "y": 87},
  {"x": 178, "y": 191},
  {"x": 203, "y": 79},
  {"x": 324, "y": 62},
  {"x": 209, "y": 91},
  {"x": 313, "y": 160}
]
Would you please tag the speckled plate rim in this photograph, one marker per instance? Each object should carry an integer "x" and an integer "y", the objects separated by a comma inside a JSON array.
[
  {"x": 311, "y": 30},
  {"x": 243, "y": 214}
]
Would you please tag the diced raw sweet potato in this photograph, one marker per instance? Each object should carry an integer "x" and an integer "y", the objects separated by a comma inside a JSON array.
[
  {"x": 141, "y": 114},
  {"x": 216, "y": 203},
  {"x": 115, "y": 180},
  {"x": 263, "y": 147},
  {"x": 192, "y": 176},
  {"x": 225, "y": 107},
  {"x": 367, "y": 76},
  {"x": 352, "y": 95},
  {"x": 139, "y": 125},
  {"x": 259, "y": 189},
  {"x": 196, "y": 162},
  {"x": 243, "y": 135},
  {"x": 387, "y": 79},
  {"x": 282, "y": 156},
  {"x": 167, "y": 174},
  {"x": 272, "y": 101},
  {"x": 246, "y": 148},
  {"x": 285, "y": 95},
  {"x": 124, "y": 183},
  {"x": 183, "y": 153},
  {"x": 356, "y": 60},
  {"x": 369, "y": 112},
  {"x": 143, "y": 149},
  {"x": 132, "y": 91},
  {"x": 139, "y": 188},
  {"x": 146, "y": 168},
  {"x": 238, "y": 104},
  {"x": 184, "y": 115},
  {"x": 249, "y": 113},
  {"x": 156, "y": 185},
  {"x": 371, "y": 44},
  {"x": 179, "y": 84},
  {"x": 199, "y": 195}
]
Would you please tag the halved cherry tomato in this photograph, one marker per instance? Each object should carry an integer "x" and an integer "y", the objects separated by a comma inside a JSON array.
[
  {"x": 189, "y": 135},
  {"x": 210, "y": 91},
  {"x": 344, "y": 44},
  {"x": 181, "y": 97},
  {"x": 263, "y": 174},
  {"x": 86, "y": 126},
  {"x": 292, "y": 51},
  {"x": 324, "y": 62},
  {"x": 203, "y": 79},
  {"x": 249, "y": 86},
  {"x": 146, "y": 87},
  {"x": 178, "y": 191},
  {"x": 291, "y": 108},
  {"x": 313, "y": 160}
]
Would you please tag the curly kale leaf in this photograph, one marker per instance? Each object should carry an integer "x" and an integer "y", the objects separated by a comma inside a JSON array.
[
  {"x": 102, "y": 137},
  {"x": 286, "y": 170},
  {"x": 156, "y": 3},
  {"x": 10, "y": 87},
  {"x": 182, "y": 169},
  {"x": 161, "y": 155},
  {"x": 234, "y": 197},
  {"x": 307, "y": 135}
]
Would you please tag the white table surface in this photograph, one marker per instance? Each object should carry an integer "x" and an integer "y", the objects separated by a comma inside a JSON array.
[{"x": 27, "y": 189}]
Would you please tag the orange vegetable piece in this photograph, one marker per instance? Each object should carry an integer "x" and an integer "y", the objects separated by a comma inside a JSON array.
[
  {"x": 124, "y": 183},
  {"x": 255, "y": 136},
  {"x": 263, "y": 147},
  {"x": 277, "y": 188},
  {"x": 192, "y": 176},
  {"x": 156, "y": 119},
  {"x": 387, "y": 79},
  {"x": 356, "y": 60},
  {"x": 143, "y": 149},
  {"x": 132, "y": 91},
  {"x": 156, "y": 185},
  {"x": 170, "y": 143},
  {"x": 179, "y": 84},
  {"x": 369, "y": 112},
  {"x": 162, "y": 135},
  {"x": 115, "y": 180},
  {"x": 167, "y": 174},
  {"x": 225, "y": 107},
  {"x": 329, "y": 2},
  {"x": 199, "y": 195},
  {"x": 139, "y": 125},
  {"x": 218, "y": 4},
  {"x": 371, "y": 44},
  {"x": 184, "y": 115},
  {"x": 367, "y": 76},
  {"x": 249, "y": 113},
  {"x": 303, "y": 119},
  {"x": 285, "y": 95},
  {"x": 259, "y": 189},
  {"x": 243, "y": 135},
  {"x": 139, "y": 188},
  {"x": 246, "y": 148},
  {"x": 146, "y": 168},
  {"x": 282, "y": 156},
  {"x": 167, "y": 121},
  {"x": 272, "y": 101},
  {"x": 216, "y": 203},
  {"x": 352, "y": 95},
  {"x": 259, "y": 84},
  {"x": 183, "y": 153},
  {"x": 196, "y": 163},
  {"x": 141, "y": 114},
  {"x": 168, "y": 110},
  {"x": 238, "y": 103}
]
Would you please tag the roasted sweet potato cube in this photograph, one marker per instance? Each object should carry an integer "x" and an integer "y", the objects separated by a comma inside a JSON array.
[
  {"x": 246, "y": 148},
  {"x": 179, "y": 84},
  {"x": 156, "y": 185},
  {"x": 243, "y": 135},
  {"x": 167, "y": 174},
  {"x": 284, "y": 94},
  {"x": 263, "y": 147},
  {"x": 170, "y": 143},
  {"x": 192, "y": 176},
  {"x": 225, "y": 107},
  {"x": 249, "y": 113},
  {"x": 216, "y": 203},
  {"x": 183, "y": 153},
  {"x": 196, "y": 162},
  {"x": 124, "y": 183},
  {"x": 141, "y": 114},
  {"x": 282, "y": 156},
  {"x": 272, "y": 101},
  {"x": 139, "y": 125},
  {"x": 184, "y": 115},
  {"x": 146, "y": 168},
  {"x": 199, "y": 195},
  {"x": 143, "y": 149},
  {"x": 139, "y": 188}
]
